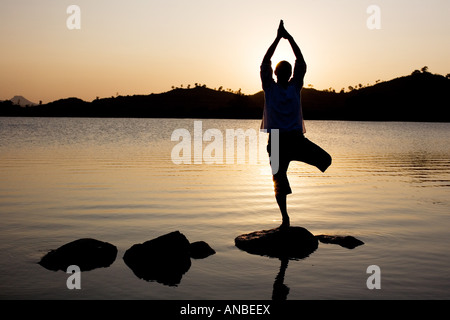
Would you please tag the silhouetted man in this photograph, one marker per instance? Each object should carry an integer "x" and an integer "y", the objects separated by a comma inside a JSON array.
[{"x": 283, "y": 111}]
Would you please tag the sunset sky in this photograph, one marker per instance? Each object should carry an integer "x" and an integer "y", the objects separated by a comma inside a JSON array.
[{"x": 142, "y": 46}]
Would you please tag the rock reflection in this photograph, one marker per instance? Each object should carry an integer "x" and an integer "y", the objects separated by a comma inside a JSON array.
[
  {"x": 293, "y": 243},
  {"x": 165, "y": 259}
]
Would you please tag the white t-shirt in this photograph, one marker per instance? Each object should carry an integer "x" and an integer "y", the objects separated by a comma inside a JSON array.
[{"x": 282, "y": 107}]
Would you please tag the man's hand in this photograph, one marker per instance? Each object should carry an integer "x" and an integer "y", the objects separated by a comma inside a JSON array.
[{"x": 282, "y": 33}]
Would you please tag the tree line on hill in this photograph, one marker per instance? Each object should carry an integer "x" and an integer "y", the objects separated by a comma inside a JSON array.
[{"x": 421, "y": 96}]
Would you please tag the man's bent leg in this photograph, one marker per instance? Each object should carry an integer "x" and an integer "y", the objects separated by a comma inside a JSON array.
[{"x": 312, "y": 154}]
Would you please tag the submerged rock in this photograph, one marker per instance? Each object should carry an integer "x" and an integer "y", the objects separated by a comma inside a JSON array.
[
  {"x": 292, "y": 242},
  {"x": 165, "y": 259},
  {"x": 85, "y": 253},
  {"x": 200, "y": 250},
  {"x": 348, "y": 242}
]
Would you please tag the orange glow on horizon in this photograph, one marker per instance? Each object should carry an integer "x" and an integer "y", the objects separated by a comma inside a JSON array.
[{"x": 142, "y": 48}]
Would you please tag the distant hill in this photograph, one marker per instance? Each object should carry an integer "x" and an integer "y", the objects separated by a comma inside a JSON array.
[
  {"x": 421, "y": 96},
  {"x": 21, "y": 101}
]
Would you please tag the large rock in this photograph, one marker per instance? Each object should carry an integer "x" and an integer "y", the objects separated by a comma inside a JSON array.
[
  {"x": 165, "y": 259},
  {"x": 85, "y": 253},
  {"x": 291, "y": 243}
]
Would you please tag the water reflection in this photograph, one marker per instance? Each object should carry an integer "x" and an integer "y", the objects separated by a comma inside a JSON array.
[
  {"x": 113, "y": 178},
  {"x": 293, "y": 243},
  {"x": 425, "y": 169},
  {"x": 280, "y": 290}
]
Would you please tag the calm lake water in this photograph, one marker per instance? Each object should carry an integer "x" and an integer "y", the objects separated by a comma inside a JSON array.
[{"x": 62, "y": 179}]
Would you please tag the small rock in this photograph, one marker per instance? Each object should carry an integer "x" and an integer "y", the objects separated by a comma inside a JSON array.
[
  {"x": 200, "y": 250},
  {"x": 348, "y": 242}
]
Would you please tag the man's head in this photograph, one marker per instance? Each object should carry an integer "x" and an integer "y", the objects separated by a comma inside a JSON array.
[{"x": 283, "y": 71}]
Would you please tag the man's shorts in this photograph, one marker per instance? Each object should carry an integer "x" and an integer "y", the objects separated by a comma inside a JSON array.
[{"x": 293, "y": 146}]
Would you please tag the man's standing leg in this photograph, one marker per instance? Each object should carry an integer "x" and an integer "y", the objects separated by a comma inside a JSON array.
[
  {"x": 282, "y": 189},
  {"x": 281, "y": 200},
  {"x": 280, "y": 164}
]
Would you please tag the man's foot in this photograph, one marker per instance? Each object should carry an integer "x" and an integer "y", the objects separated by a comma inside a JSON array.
[{"x": 285, "y": 224}]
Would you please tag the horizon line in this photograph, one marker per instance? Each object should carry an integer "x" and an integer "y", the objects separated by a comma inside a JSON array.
[{"x": 423, "y": 70}]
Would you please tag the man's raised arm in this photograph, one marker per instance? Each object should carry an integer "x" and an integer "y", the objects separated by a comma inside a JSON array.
[
  {"x": 295, "y": 47},
  {"x": 274, "y": 45}
]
